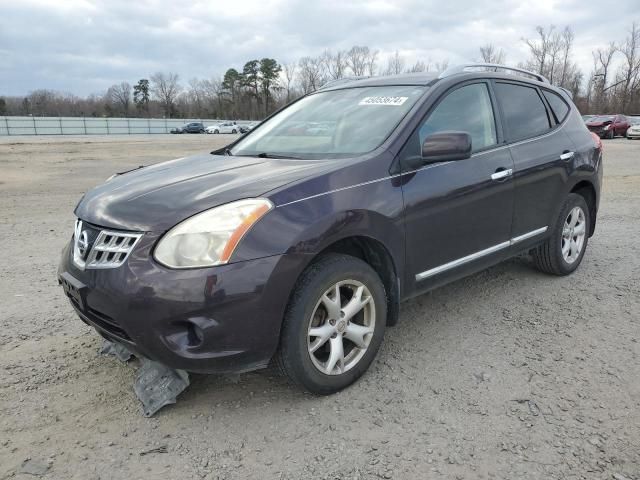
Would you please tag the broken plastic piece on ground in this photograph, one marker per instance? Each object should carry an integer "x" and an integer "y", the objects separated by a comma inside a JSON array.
[
  {"x": 158, "y": 385},
  {"x": 121, "y": 352}
]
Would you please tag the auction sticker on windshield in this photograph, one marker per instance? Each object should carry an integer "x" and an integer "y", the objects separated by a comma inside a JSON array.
[{"x": 393, "y": 101}]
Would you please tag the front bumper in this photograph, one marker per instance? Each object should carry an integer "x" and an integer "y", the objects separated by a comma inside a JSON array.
[
  {"x": 213, "y": 320},
  {"x": 633, "y": 135}
]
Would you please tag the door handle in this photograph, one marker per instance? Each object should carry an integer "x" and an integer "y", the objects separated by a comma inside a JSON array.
[
  {"x": 567, "y": 155},
  {"x": 500, "y": 174}
]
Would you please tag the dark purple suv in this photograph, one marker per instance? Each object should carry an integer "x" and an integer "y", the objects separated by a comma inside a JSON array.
[{"x": 296, "y": 244}]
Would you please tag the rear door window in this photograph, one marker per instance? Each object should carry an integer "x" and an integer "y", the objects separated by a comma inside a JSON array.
[
  {"x": 559, "y": 106},
  {"x": 524, "y": 113}
]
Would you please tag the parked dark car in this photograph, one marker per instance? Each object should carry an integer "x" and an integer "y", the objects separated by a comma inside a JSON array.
[
  {"x": 608, "y": 126},
  {"x": 193, "y": 127},
  {"x": 296, "y": 250}
]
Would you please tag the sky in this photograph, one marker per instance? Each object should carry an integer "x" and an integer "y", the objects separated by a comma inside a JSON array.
[{"x": 84, "y": 46}]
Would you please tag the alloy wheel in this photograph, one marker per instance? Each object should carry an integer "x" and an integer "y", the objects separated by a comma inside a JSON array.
[
  {"x": 573, "y": 235},
  {"x": 341, "y": 327}
]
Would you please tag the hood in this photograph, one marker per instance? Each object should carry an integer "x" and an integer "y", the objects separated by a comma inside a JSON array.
[
  {"x": 157, "y": 197},
  {"x": 599, "y": 124}
]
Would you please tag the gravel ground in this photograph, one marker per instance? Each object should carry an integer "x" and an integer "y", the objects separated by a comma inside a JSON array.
[{"x": 507, "y": 374}]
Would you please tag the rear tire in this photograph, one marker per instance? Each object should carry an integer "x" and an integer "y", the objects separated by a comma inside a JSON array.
[
  {"x": 339, "y": 298},
  {"x": 563, "y": 251}
]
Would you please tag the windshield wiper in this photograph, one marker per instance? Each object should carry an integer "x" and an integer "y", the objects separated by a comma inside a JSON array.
[{"x": 273, "y": 155}]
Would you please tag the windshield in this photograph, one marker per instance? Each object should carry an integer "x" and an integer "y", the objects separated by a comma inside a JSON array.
[
  {"x": 603, "y": 118},
  {"x": 332, "y": 124}
]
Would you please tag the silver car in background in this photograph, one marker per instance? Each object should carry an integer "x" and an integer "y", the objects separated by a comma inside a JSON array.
[
  {"x": 225, "y": 127},
  {"x": 633, "y": 132}
]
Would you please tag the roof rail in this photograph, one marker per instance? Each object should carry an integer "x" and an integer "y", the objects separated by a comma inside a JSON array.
[
  {"x": 340, "y": 81},
  {"x": 491, "y": 67}
]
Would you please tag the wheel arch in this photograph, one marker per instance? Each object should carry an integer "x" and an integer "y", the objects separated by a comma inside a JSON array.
[
  {"x": 586, "y": 190},
  {"x": 377, "y": 256}
]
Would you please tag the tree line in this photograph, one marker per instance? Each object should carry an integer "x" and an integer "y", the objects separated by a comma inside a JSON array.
[{"x": 262, "y": 86}]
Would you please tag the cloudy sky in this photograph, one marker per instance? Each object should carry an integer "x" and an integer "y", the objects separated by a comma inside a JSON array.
[{"x": 83, "y": 46}]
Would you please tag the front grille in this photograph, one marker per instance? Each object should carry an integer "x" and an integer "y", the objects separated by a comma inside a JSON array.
[{"x": 97, "y": 248}]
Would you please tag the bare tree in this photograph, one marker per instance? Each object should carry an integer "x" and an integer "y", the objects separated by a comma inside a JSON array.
[
  {"x": 165, "y": 88},
  {"x": 567, "y": 43},
  {"x": 214, "y": 91},
  {"x": 120, "y": 95},
  {"x": 335, "y": 64},
  {"x": 540, "y": 49},
  {"x": 442, "y": 65},
  {"x": 289, "y": 71},
  {"x": 490, "y": 54},
  {"x": 630, "y": 70},
  {"x": 196, "y": 96},
  {"x": 419, "y": 66},
  {"x": 371, "y": 61},
  {"x": 357, "y": 60},
  {"x": 395, "y": 64},
  {"x": 602, "y": 58},
  {"x": 311, "y": 74},
  {"x": 550, "y": 55},
  {"x": 555, "y": 46}
]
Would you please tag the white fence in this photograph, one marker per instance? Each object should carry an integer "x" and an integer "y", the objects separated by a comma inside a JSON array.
[{"x": 92, "y": 126}]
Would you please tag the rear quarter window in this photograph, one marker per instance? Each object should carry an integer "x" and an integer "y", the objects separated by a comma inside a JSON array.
[
  {"x": 524, "y": 113},
  {"x": 557, "y": 104}
]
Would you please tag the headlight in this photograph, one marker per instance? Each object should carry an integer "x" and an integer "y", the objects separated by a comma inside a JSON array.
[
  {"x": 607, "y": 127},
  {"x": 209, "y": 238}
]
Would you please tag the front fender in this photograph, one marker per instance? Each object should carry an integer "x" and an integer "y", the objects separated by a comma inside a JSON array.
[{"x": 310, "y": 225}]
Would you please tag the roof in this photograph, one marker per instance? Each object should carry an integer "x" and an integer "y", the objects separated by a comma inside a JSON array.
[
  {"x": 429, "y": 78},
  {"x": 420, "y": 78}
]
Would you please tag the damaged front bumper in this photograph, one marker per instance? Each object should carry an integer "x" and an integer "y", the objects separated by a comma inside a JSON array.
[
  {"x": 223, "y": 319},
  {"x": 156, "y": 385}
]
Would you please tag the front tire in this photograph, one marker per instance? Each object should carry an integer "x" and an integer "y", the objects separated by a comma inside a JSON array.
[
  {"x": 334, "y": 324},
  {"x": 563, "y": 251},
  {"x": 611, "y": 134}
]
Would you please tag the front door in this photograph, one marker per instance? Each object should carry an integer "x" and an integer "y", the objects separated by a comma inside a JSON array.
[{"x": 458, "y": 214}]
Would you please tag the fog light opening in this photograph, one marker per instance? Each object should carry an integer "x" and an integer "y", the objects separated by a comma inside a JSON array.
[{"x": 195, "y": 336}]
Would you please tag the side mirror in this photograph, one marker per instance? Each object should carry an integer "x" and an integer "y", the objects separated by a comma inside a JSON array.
[{"x": 446, "y": 147}]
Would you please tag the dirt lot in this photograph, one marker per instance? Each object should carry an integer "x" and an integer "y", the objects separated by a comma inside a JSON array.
[{"x": 507, "y": 374}]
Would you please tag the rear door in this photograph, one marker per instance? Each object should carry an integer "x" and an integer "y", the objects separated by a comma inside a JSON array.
[
  {"x": 457, "y": 214},
  {"x": 542, "y": 154}
]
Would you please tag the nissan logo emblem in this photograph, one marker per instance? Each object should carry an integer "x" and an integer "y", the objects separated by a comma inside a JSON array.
[{"x": 83, "y": 244}]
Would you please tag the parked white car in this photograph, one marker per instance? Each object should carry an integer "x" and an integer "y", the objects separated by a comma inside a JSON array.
[
  {"x": 226, "y": 127},
  {"x": 633, "y": 131}
]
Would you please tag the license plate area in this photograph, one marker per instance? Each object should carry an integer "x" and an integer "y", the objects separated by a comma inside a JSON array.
[{"x": 74, "y": 289}]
